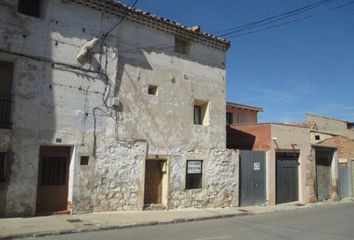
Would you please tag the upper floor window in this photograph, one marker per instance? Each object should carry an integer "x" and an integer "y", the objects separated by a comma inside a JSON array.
[
  {"x": 30, "y": 7},
  {"x": 201, "y": 112},
  {"x": 241, "y": 118},
  {"x": 6, "y": 70},
  {"x": 229, "y": 119},
  {"x": 182, "y": 46}
]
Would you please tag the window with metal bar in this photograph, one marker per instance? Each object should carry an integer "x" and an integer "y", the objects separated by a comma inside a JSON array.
[
  {"x": 6, "y": 70},
  {"x": 194, "y": 174},
  {"x": 3, "y": 158}
]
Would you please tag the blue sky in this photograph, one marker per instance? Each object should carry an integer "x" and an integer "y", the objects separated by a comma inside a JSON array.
[{"x": 307, "y": 66}]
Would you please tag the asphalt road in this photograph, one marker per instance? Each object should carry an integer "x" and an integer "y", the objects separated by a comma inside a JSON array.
[{"x": 318, "y": 223}]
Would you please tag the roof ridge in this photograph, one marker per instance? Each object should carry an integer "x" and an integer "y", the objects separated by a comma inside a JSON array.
[{"x": 149, "y": 19}]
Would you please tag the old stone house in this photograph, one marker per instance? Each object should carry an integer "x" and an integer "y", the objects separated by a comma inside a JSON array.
[
  {"x": 345, "y": 153},
  {"x": 105, "y": 107},
  {"x": 330, "y": 125},
  {"x": 338, "y": 134}
]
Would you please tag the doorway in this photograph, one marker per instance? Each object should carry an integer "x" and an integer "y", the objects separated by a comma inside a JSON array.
[
  {"x": 53, "y": 178},
  {"x": 252, "y": 174},
  {"x": 287, "y": 177},
  {"x": 155, "y": 182},
  {"x": 323, "y": 173}
]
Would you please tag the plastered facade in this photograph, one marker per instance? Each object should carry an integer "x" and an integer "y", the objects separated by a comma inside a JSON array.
[
  {"x": 241, "y": 114},
  {"x": 330, "y": 125},
  {"x": 61, "y": 102}
]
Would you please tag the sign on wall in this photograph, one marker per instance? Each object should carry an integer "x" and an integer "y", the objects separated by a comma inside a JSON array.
[
  {"x": 256, "y": 166},
  {"x": 194, "y": 167}
]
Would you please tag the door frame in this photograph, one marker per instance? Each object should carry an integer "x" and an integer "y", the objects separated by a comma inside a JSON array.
[
  {"x": 165, "y": 178},
  {"x": 298, "y": 153},
  {"x": 251, "y": 161},
  {"x": 333, "y": 166},
  {"x": 70, "y": 161}
]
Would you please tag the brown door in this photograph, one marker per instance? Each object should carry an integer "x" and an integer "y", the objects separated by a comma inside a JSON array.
[
  {"x": 53, "y": 179},
  {"x": 153, "y": 182}
]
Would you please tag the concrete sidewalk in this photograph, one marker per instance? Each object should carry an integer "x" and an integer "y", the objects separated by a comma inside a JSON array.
[{"x": 11, "y": 228}]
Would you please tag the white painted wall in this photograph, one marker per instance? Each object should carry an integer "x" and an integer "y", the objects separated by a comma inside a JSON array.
[{"x": 55, "y": 101}]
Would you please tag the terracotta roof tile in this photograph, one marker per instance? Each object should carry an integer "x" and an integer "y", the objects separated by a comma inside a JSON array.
[{"x": 149, "y": 19}]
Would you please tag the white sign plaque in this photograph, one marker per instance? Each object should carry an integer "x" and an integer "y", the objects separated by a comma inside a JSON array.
[
  {"x": 194, "y": 167},
  {"x": 256, "y": 166}
]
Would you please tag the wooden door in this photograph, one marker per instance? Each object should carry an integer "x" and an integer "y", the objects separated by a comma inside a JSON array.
[
  {"x": 52, "y": 196},
  {"x": 287, "y": 177},
  {"x": 153, "y": 182}
]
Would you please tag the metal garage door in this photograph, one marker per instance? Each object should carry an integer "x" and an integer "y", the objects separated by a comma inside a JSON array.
[
  {"x": 343, "y": 180},
  {"x": 287, "y": 177},
  {"x": 323, "y": 173},
  {"x": 352, "y": 178},
  {"x": 252, "y": 178}
]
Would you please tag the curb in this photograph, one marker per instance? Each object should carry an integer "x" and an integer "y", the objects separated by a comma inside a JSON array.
[{"x": 133, "y": 225}]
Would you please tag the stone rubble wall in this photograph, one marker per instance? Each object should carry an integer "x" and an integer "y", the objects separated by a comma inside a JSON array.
[{"x": 220, "y": 180}]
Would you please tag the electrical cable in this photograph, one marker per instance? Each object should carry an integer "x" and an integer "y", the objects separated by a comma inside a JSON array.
[
  {"x": 292, "y": 21},
  {"x": 273, "y": 18},
  {"x": 119, "y": 21}
]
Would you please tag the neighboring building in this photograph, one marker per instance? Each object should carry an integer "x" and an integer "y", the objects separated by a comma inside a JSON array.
[
  {"x": 345, "y": 154},
  {"x": 239, "y": 113},
  {"x": 338, "y": 134},
  {"x": 296, "y": 169},
  {"x": 100, "y": 114},
  {"x": 331, "y": 126}
]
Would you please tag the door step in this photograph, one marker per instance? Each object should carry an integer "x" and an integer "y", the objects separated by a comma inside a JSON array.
[{"x": 154, "y": 207}]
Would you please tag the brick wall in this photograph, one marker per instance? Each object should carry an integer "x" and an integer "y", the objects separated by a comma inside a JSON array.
[
  {"x": 249, "y": 137},
  {"x": 345, "y": 146}
]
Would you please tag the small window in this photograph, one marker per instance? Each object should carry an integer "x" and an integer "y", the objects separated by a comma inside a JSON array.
[
  {"x": 317, "y": 137},
  {"x": 3, "y": 158},
  {"x": 153, "y": 90},
  {"x": 229, "y": 119},
  {"x": 182, "y": 46},
  {"x": 84, "y": 160},
  {"x": 194, "y": 174},
  {"x": 350, "y": 125},
  {"x": 201, "y": 112},
  {"x": 197, "y": 115},
  {"x": 29, "y": 7},
  {"x": 241, "y": 118}
]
